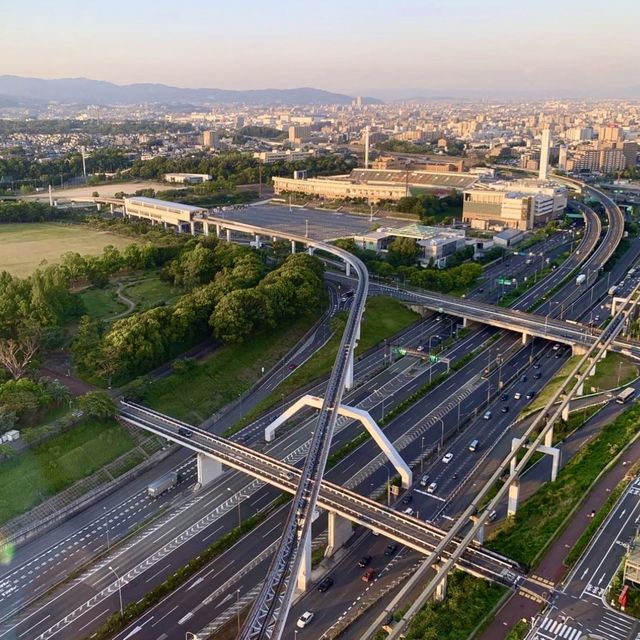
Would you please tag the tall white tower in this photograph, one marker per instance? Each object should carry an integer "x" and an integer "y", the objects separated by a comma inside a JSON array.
[
  {"x": 544, "y": 154},
  {"x": 366, "y": 147}
]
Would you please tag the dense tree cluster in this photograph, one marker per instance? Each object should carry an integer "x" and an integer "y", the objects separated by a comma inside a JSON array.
[
  {"x": 432, "y": 209},
  {"x": 24, "y": 401},
  {"x": 240, "y": 168},
  {"x": 90, "y": 127},
  {"x": 453, "y": 278},
  {"x": 229, "y": 293},
  {"x": 12, "y": 211}
]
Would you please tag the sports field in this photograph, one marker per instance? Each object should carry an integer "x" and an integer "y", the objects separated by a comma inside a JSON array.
[{"x": 24, "y": 246}]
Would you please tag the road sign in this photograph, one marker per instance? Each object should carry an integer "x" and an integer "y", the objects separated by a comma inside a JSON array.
[
  {"x": 505, "y": 281},
  {"x": 434, "y": 358},
  {"x": 399, "y": 351}
]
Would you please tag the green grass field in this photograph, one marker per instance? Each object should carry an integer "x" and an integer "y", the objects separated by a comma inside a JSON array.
[
  {"x": 101, "y": 304},
  {"x": 25, "y": 246},
  {"x": 54, "y": 465},
  {"x": 150, "y": 292}
]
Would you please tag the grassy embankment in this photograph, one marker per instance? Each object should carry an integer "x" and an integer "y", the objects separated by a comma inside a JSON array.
[{"x": 39, "y": 473}]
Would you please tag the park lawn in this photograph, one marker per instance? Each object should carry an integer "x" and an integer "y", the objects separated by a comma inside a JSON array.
[
  {"x": 25, "y": 246},
  {"x": 150, "y": 292},
  {"x": 615, "y": 370},
  {"x": 38, "y": 473},
  {"x": 230, "y": 370},
  {"x": 101, "y": 304}
]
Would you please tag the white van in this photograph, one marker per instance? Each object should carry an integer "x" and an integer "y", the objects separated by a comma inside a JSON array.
[{"x": 474, "y": 445}]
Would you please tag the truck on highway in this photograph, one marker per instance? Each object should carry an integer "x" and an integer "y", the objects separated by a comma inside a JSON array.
[
  {"x": 613, "y": 290},
  {"x": 163, "y": 484},
  {"x": 581, "y": 279}
]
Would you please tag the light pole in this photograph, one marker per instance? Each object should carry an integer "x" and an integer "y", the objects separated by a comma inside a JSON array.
[
  {"x": 239, "y": 518},
  {"x": 119, "y": 589},
  {"x": 441, "y": 434},
  {"x": 421, "y": 454}
]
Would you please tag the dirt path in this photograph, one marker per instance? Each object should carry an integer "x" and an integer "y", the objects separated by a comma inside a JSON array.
[{"x": 130, "y": 304}]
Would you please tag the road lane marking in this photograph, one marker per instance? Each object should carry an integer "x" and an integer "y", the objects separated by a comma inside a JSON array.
[
  {"x": 94, "y": 619},
  {"x": 164, "y": 616},
  {"x": 157, "y": 573},
  {"x": 33, "y": 626}
]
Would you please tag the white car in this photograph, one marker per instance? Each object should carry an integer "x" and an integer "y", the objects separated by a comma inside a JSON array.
[
  {"x": 409, "y": 511},
  {"x": 419, "y": 348},
  {"x": 432, "y": 487},
  {"x": 447, "y": 458},
  {"x": 304, "y": 619},
  {"x": 517, "y": 395},
  {"x": 487, "y": 415}
]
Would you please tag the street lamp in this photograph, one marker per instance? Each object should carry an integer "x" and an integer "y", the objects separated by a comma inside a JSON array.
[
  {"x": 388, "y": 485},
  {"x": 421, "y": 454},
  {"x": 119, "y": 589},
  {"x": 441, "y": 434},
  {"x": 239, "y": 518},
  {"x": 106, "y": 523}
]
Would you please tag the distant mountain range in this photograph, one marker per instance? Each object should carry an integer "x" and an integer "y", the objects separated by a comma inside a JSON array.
[{"x": 85, "y": 91}]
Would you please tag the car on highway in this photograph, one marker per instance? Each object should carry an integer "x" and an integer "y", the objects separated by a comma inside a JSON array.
[
  {"x": 530, "y": 395},
  {"x": 537, "y": 376},
  {"x": 391, "y": 549},
  {"x": 517, "y": 395},
  {"x": 185, "y": 433},
  {"x": 487, "y": 415},
  {"x": 504, "y": 409},
  {"x": 407, "y": 498},
  {"x": 292, "y": 366},
  {"x": 504, "y": 397},
  {"x": 424, "y": 481},
  {"x": 473, "y": 445},
  {"x": 523, "y": 378},
  {"x": 420, "y": 347},
  {"x": 368, "y": 575},
  {"x": 536, "y": 365},
  {"x": 364, "y": 561},
  {"x": 447, "y": 458},
  {"x": 325, "y": 584},
  {"x": 408, "y": 511},
  {"x": 556, "y": 346},
  {"x": 304, "y": 619},
  {"x": 432, "y": 487}
]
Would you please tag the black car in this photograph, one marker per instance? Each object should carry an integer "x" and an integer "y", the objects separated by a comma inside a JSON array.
[
  {"x": 325, "y": 584},
  {"x": 407, "y": 499},
  {"x": 391, "y": 549},
  {"x": 523, "y": 379},
  {"x": 504, "y": 397},
  {"x": 530, "y": 395},
  {"x": 185, "y": 433},
  {"x": 364, "y": 561},
  {"x": 536, "y": 365},
  {"x": 537, "y": 376},
  {"x": 505, "y": 409}
]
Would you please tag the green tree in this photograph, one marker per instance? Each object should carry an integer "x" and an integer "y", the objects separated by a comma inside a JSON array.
[
  {"x": 97, "y": 404},
  {"x": 403, "y": 251}
]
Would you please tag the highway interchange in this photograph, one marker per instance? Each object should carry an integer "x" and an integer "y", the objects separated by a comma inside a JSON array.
[{"x": 441, "y": 410}]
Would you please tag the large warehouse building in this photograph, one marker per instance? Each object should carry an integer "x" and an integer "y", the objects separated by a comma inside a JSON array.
[
  {"x": 168, "y": 214},
  {"x": 375, "y": 185},
  {"x": 522, "y": 204}
]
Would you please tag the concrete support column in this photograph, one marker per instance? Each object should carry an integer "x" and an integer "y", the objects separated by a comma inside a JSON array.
[
  {"x": 311, "y": 250},
  {"x": 347, "y": 269},
  {"x": 565, "y": 413},
  {"x": 111, "y": 206},
  {"x": 580, "y": 389},
  {"x": 548, "y": 438},
  {"x": 218, "y": 230},
  {"x": 179, "y": 227},
  {"x": 304, "y": 574},
  {"x": 293, "y": 246},
  {"x": 228, "y": 235},
  {"x": 208, "y": 469},
  {"x": 555, "y": 464},
  {"x": 480, "y": 532},
  {"x": 193, "y": 228},
  {"x": 525, "y": 338},
  {"x": 348, "y": 379},
  {"x": 164, "y": 224},
  {"x": 257, "y": 241},
  {"x": 339, "y": 530},
  {"x": 514, "y": 495},
  {"x": 441, "y": 590},
  {"x": 205, "y": 228}
]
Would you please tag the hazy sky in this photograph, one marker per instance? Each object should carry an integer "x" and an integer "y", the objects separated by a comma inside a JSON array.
[{"x": 342, "y": 45}]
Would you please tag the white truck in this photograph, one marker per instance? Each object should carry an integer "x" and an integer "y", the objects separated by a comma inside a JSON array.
[
  {"x": 163, "y": 484},
  {"x": 581, "y": 279}
]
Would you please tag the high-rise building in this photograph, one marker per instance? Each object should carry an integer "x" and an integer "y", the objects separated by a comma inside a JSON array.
[
  {"x": 544, "y": 154},
  {"x": 610, "y": 133},
  {"x": 611, "y": 160},
  {"x": 562, "y": 157},
  {"x": 210, "y": 139},
  {"x": 299, "y": 134}
]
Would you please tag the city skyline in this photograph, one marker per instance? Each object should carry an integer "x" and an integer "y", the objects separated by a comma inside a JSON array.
[{"x": 380, "y": 49}]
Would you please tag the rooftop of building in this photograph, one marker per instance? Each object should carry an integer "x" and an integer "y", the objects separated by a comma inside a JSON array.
[
  {"x": 164, "y": 204},
  {"x": 423, "y": 178}
]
